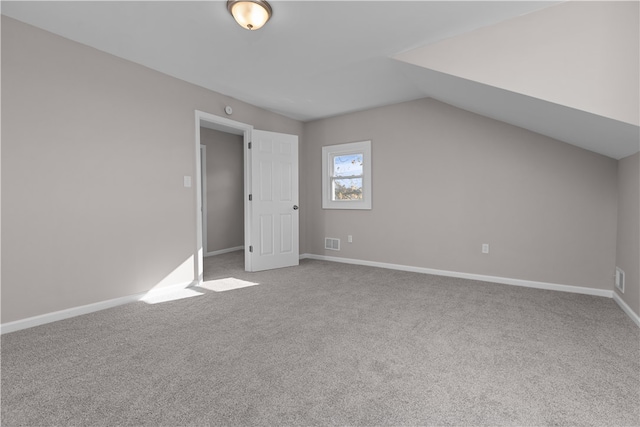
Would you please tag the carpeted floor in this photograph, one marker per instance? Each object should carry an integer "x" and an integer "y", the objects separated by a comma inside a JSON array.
[{"x": 326, "y": 344}]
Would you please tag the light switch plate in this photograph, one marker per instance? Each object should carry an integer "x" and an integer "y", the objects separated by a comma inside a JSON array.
[{"x": 187, "y": 181}]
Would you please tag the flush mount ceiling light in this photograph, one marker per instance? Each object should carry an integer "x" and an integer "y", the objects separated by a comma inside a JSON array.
[{"x": 250, "y": 14}]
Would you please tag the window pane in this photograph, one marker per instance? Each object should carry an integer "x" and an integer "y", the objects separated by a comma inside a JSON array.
[
  {"x": 346, "y": 177},
  {"x": 347, "y": 189},
  {"x": 347, "y": 165}
]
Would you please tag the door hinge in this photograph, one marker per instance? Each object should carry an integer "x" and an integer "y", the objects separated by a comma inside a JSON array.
[
  {"x": 249, "y": 146},
  {"x": 250, "y": 197},
  {"x": 250, "y": 248}
]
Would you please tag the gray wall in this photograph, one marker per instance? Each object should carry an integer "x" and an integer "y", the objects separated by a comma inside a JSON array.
[
  {"x": 225, "y": 189},
  {"x": 628, "y": 243},
  {"x": 94, "y": 150},
  {"x": 93, "y": 206},
  {"x": 447, "y": 180}
]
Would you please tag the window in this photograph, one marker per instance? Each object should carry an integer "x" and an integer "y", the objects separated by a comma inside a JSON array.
[{"x": 346, "y": 177}]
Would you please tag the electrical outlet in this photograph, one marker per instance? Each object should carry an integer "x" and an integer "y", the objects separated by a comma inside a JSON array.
[
  {"x": 485, "y": 248},
  {"x": 350, "y": 238}
]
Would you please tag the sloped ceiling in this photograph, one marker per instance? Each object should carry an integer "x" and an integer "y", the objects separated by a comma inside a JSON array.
[
  {"x": 570, "y": 71},
  {"x": 316, "y": 59}
]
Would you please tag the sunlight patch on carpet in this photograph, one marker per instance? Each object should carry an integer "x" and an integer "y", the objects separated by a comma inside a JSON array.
[
  {"x": 227, "y": 284},
  {"x": 170, "y": 296}
]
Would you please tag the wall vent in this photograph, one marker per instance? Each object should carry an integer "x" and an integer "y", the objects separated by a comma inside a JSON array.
[
  {"x": 620, "y": 279},
  {"x": 332, "y": 244}
]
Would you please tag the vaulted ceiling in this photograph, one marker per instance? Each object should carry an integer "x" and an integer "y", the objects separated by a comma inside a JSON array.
[{"x": 568, "y": 70}]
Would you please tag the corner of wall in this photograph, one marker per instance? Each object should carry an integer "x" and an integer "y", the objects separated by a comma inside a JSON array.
[{"x": 628, "y": 233}]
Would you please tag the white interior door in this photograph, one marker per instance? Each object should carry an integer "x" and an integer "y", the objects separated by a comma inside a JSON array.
[{"x": 274, "y": 214}]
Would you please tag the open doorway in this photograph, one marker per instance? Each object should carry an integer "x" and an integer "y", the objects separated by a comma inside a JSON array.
[
  {"x": 222, "y": 193},
  {"x": 230, "y": 127},
  {"x": 270, "y": 195}
]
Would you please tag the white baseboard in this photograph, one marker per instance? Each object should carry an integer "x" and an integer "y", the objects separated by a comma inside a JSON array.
[
  {"x": 623, "y": 305},
  {"x": 494, "y": 279},
  {"x": 90, "y": 308},
  {"x": 30, "y": 322},
  {"x": 503, "y": 280},
  {"x": 224, "y": 251}
]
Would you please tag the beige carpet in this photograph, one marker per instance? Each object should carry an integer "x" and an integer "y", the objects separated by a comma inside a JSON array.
[{"x": 330, "y": 344}]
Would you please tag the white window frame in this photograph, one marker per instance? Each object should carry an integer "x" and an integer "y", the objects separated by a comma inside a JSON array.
[{"x": 331, "y": 151}]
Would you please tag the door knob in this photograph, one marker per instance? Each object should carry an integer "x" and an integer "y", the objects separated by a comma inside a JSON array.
[{"x": 295, "y": 207}]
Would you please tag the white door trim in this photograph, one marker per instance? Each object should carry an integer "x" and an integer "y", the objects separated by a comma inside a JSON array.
[
  {"x": 223, "y": 124},
  {"x": 203, "y": 192}
]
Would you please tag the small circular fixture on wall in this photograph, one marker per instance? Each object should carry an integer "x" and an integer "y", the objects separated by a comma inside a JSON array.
[{"x": 228, "y": 110}]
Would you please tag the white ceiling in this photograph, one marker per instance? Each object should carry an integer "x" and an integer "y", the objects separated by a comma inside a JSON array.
[{"x": 317, "y": 59}]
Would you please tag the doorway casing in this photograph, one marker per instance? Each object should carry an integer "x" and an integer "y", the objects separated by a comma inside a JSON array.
[{"x": 222, "y": 124}]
